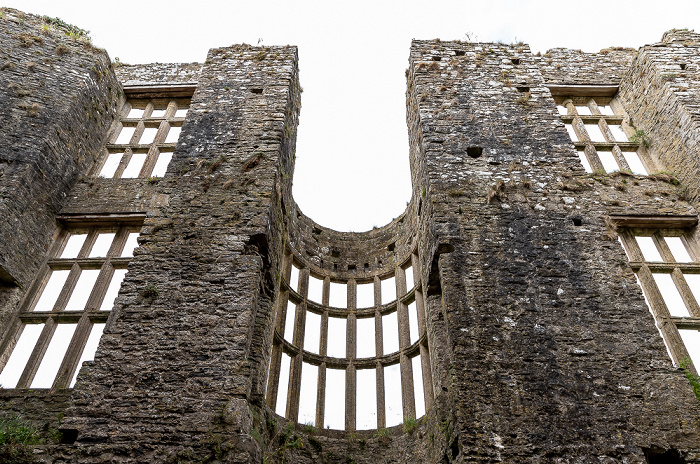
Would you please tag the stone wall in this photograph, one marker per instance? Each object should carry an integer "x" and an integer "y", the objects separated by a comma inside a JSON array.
[
  {"x": 661, "y": 93},
  {"x": 545, "y": 328},
  {"x": 541, "y": 345},
  {"x": 59, "y": 98},
  {"x": 182, "y": 365}
]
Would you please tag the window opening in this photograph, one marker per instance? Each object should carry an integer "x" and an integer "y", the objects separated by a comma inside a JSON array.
[
  {"x": 393, "y": 403},
  {"x": 313, "y": 379},
  {"x": 388, "y": 290},
  {"x": 598, "y": 134},
  {"x": 173, "y": 135},
  {"x": 82, "y": 290},
  {"x": 617, "y": 132},
  {"x": 408, "y": 272},
  {"x": 135, "y": 165},
  {"x": 294, "y": 279},
  {"x": 337, "y": 329},
  {"x": 390, "y": 327},
  {"x": 74, "y": 245},
  {"x": 594, "y": 132},
  {"x": 413, "y": 322},
  {"x": 608, "y": 160},
  {"x": 111, "y": 164},
  {"x": 678, "y": 250},
  {"x": 418, "y": 385},
  {"x": 366, "y": 347},
  {"x": 148, "y": 135},
  {"x": 144, "y": 143},
  {"x": 667, "y": 267},
  {"x": 338, "y": 297},
  {"x": 312, "y": 334},
  {"x": 691, "y": 340},
  {"x": 334, "y": 412},
  {"x": 308, "y": 394},
  {"x": 125, "y": 135},
  {"x": 365, "y": 295},
  {"x": 289, "y": 321},
  {"x": 584, "y": 161},
  {"x": 135, "y": 113},
  {"x": 634, "y": 163},
  {"x": 366, "y": 409},
  {"x": 52, "y": 290},
  {"x": 315, "y": 289},
  {"x": 283, "y": 385},
  {"x": 85, "y": 288},
  {"x": 670, "y": 294},
  {"x": 161, "y": 166},
  {"x": 20, "y": 355},
  {"x": 53, "y": 356},
  {"x": 88, "y": 353}
]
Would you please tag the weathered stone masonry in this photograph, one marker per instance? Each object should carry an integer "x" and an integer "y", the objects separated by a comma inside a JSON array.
[{"x": 536, "y": 342}]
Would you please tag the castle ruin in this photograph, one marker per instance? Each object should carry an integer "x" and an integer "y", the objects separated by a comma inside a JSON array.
[{"x": 163, "y": 299}]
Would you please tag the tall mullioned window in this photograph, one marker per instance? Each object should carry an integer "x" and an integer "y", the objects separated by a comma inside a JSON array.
[
  {"x": 350, "y": 355},
  {"x": 65, "y": 310},
  {"x": 598, "y": 128},
  {"x": 666, "y": 261},
  {"x": 142, "y": 144}
]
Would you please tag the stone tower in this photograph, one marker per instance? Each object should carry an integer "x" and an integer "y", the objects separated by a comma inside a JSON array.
[{"x": 163, "y": 298}]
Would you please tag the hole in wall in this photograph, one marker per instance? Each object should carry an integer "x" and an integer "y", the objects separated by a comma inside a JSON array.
[
  {"x": 68, "y": 436},
  {"x": 683, "y": 65},
  {"x": 577, "y": 220},
  {"x": 515, "y": 61},
  {"x": 257, "y": 90},
  {"x": 460, "y": 52},
  {"x": 335, "y": 254},
  {"x": 523, "y": 89},
  {"x": 437, "y": 58},
  {"x": 351, "y": 267},
  {"x": 656, "y": 455},
  {"x": 454, "y": 448},
  {"x": 316, "y": 231},
  {"x": 474, "y": 152},
  {"x": 391, "y": 246},
  {"x": 366, "y": 267}
]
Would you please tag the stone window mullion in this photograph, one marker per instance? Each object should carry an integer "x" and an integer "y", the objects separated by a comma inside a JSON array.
[
  {"x": 407, "y": 392},
  {"x": 350, "y": 397},
  {"x": 293, "y": 391},
  {"x": 381, "y": 401},
  {"x": 75, "y": 350},
  {"x": 321, "y": 395}
]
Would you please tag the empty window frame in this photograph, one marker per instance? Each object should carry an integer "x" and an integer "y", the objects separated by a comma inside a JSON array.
[
  {"x": 64, "y": 312},
  {"x": 326, "y": 356},
  {"x": 597, "y": 132},
  {"x": 142, "y": 144},
  {"x": 667, "y": 264}
]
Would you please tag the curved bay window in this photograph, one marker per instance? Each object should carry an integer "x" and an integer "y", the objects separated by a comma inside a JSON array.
[{"x": 353, "y": 354}]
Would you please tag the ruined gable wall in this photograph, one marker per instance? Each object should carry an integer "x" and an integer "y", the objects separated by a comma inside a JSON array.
[
  {"x": 182, "y": 365},
  {"x": 545, "y": 329},
  {"x": 59, "y": 98},
  {"x": 661, "y": 93}
]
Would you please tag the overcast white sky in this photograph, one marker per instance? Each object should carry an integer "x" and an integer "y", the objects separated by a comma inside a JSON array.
[{"x": 352, "y": 149}]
